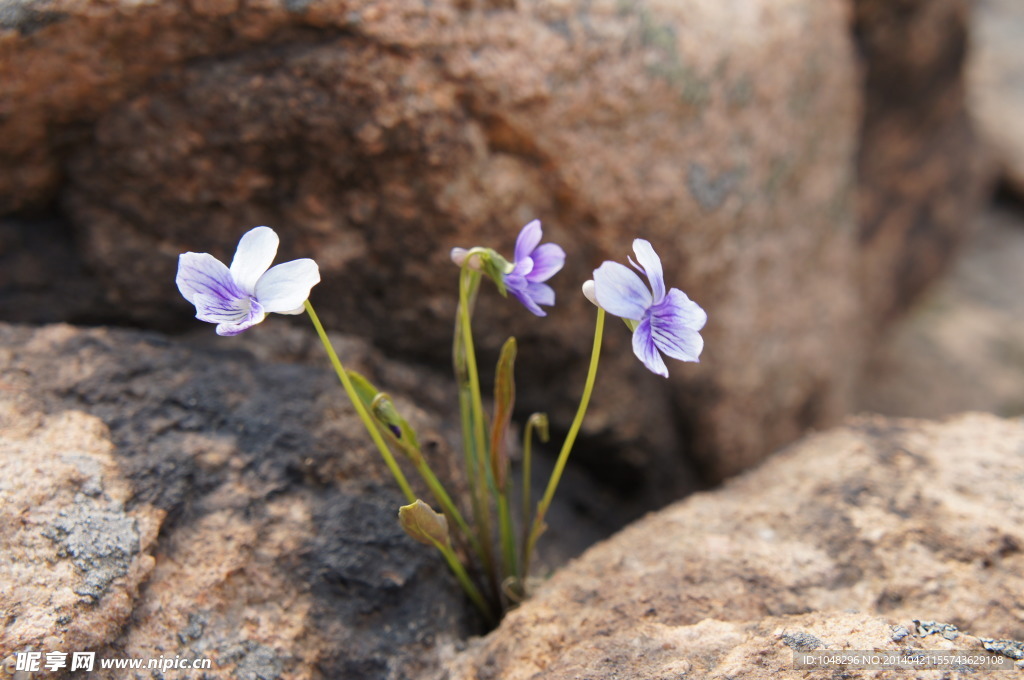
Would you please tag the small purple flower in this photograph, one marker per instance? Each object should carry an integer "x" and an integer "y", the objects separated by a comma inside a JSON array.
[
  {"x": 662, "y": 322},
  {"x": 534, "y": 264},
  {"x": 238, "y": 297}
]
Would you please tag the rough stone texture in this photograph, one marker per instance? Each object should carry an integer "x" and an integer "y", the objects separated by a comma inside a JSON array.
[
  {"x": 73, "y": 555},
  {"x": 996, "y": 81},
  {"x": 920, "y": 174},
  {"x": 376, "y": 135},
  {"x": 279, "y": 554},
  {"x": 961, "y": 347},
  {"x": 896, "y": 519}
]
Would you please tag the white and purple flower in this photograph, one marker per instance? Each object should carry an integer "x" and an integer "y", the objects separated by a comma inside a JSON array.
[
  {"x": 239, "y": 297},
  {"x": 534, "y": 264},
  {"x": 525, "y": 277},
  {"x": 662, "y": 322}
]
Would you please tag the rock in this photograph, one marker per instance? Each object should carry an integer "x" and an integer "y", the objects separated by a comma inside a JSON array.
[
  {"x": 375, "y": 149},
  {"x": 74, "y": 555},
  {"x": 279, "y": 552},
  {"x": 895, "y": 519},
  {"x": 996, "y": 83},
  {"x": 958, "y": 348},
  {"x": 920, "y": 175},
  {"x": 376, "y": 135}
]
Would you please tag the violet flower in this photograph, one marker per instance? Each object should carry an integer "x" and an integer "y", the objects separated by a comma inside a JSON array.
[
  {"x": 662, "y": 322},
  {"x": 534, "y": 264},
  {"x": 239, "y": 297}
]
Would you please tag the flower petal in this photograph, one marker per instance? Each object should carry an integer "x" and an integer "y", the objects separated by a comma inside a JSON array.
[
  {"x": 548, "y": 260},
  {"x": 645, "y": 349},
  {"x": 541, "y": 293},
  {"x": 675, "y": 324},
  {"x": 236, "y": 328},
  {"x": 255, "y": 254},
  {"x": 525, "y": 296},
  {"x": 203, "y": 274},
  {"x": 651, "y": 264},
  {"x": 528, "y": 239},
  {"x": 215, "y": 309},
  {"x": 620, "y": 291},
  {"x": 286, "y": 286}
]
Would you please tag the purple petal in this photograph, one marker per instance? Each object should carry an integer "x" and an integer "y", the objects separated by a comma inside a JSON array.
[
  {"x": 286, "y": 286},
  {"x": 236, "y": 328},
  {"x": 645, "y": 349},
  {"x": 541, "y": 293},
  {"x": 203, "y": 274},
  {"x": 528, "y": 239},
  {"x": 255, "y": 253},
  {"x": 528, "y": 302},
  {"x": 620, "y": 291},
  {"x": 548, "y": 260},
  {"x": 231, "y": 316},
  {"x": 651, "y": 264},
  {"x": 675, "y": 324}
]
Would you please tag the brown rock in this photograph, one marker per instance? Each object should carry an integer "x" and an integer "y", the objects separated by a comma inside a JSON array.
[
  {"x": 959, "y": 346},
  {"x": 74, "y": 555},
  {"x": 996, "y": 83},
  {"x": 280, "y": 555},
  {"x": 920, "y": 176},
  {"x": 899, "y": 520},
  {"x": 376, "y": 150},
  {"x": 376, "y": 135}
]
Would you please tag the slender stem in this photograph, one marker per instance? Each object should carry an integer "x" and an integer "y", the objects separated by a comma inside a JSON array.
[
  {"x": 479, "y": 440},
  {"x": 364, "y": 415},
  {"x": 508, "y": 541},
  {"x": 534, "y": 421},
  {"x": 473, "y": 425},
  {"x": 570, "y": 439},
  {"x": 465, "y": 581}
]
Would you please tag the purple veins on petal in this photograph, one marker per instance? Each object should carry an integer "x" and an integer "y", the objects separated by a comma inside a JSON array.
[
  {"x": 239, "y": 297},
  {"x": 534, "y": 265},
  {"x": 669, "y": 322}
]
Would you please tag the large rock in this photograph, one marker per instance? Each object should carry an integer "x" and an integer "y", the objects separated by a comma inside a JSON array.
[
  {"x": 375, "y": 135},
  {"x": 74, "y": 555},
  {"x": 895, "y": 519},
  {"x": 959, "y": 347},
  {"x": 920, "y": 174},
  {"x": 996, "y": 80},
  {"x": 279, "y": 554}
]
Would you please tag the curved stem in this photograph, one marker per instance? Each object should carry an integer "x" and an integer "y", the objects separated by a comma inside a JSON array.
[
  {"x": 570, "y": 439},
  {"x": 364, "y": 415}
]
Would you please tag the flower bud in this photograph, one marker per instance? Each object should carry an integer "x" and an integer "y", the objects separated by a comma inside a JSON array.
[
  {"x": 459, "y": 256},
  {"x": 588, "y": 292},
  {"x": 423, "y": 524}
]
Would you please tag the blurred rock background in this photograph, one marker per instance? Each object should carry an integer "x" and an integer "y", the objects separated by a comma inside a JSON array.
[{"x": 819, "y": 175}]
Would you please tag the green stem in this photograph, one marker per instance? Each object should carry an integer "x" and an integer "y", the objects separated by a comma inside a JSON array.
[
  {"x": 570, "y": 439},
  {"x": 537, "y": 420},
  {"x": 508, "y": 541},
  {"x": 477, "y": 406},
  {"x": 364, "y": 415},
  {"x": 474, "y": 440},
  {"x": 465, "y": 581}
]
